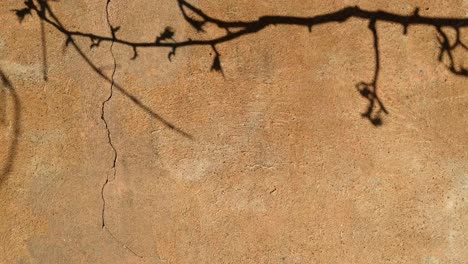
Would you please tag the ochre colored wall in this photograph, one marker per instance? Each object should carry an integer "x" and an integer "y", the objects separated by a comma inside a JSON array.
[{"x": 266, "y": 161}]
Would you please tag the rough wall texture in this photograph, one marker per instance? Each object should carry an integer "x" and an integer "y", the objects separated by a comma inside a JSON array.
[{"x": 265, "y": 158}]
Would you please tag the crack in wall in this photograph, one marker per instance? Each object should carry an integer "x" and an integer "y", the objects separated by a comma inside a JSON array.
[
  {"x": 109, "y": 139},
  {"x": 103, "y": 117}
]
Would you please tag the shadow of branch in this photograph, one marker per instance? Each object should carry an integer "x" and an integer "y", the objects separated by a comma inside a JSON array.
[{"x": 198, "y": 19}]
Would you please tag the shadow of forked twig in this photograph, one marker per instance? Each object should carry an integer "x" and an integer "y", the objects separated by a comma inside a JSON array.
[
  {"x": 369, "y": 90},
  {"x": 446, "y": 49}
]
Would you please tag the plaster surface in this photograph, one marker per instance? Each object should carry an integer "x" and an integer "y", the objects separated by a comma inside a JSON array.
[{"x": 265, "y": 159}]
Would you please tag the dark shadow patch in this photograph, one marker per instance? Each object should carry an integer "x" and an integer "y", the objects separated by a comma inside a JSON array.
[{"x": 10, "y": 96}]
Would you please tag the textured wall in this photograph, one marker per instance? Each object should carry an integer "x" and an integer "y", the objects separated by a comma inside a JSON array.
[{"x": 251, "y": 151}]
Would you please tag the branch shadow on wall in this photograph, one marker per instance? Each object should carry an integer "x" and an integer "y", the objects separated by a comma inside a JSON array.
[
  {"x": 198, "y": 19},
  {"x": 235, "y": 29},
  {"x": 46, "y": 15}
]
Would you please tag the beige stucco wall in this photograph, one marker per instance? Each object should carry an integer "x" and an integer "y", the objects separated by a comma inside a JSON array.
[{"x": 268, "y": 162}]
